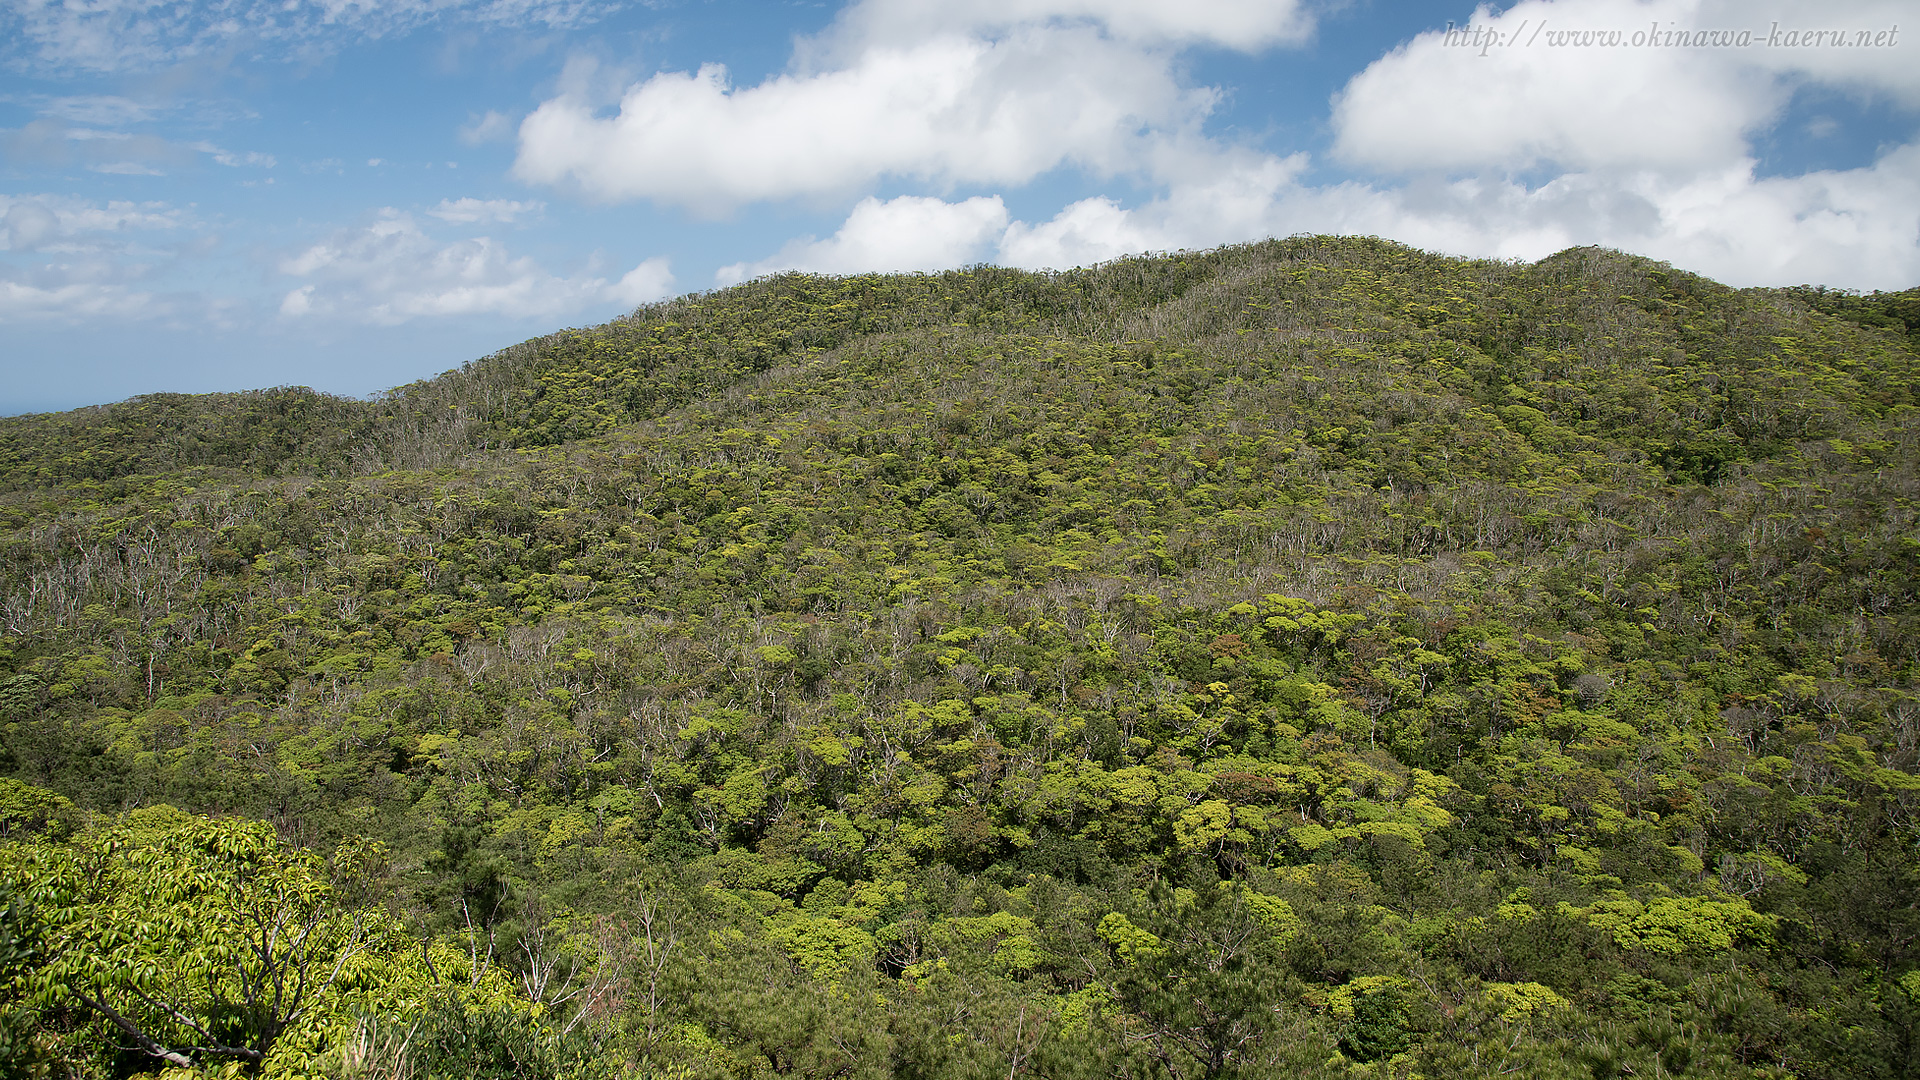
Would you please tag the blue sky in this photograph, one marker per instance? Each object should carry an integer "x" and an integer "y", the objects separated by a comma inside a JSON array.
[{"x": 353, "y": 194}]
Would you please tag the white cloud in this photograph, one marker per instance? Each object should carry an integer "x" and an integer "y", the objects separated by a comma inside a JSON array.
[
  {"x": 1441, "y": 103},
  {"x": 895, "y": 91},
  {"x": 21, "y": 301},
  {"x": 651, "y": 280},
  {"x": 90, "y": 258},
  {"x": 1233, "y": 197},
  {"x": 391, "y": 271},
  {"x": 135, "y": 35},
  {"x": 28, "y": 225},
  {"x": 911, "y": 232},
  {"x": 989, "y": 92},
  {"x": 1593, "y": 84},
  {"x": 467, "y": 211},
  {"x": 1856, "y": 228},
  {"x": 1087, "y": 232},
  {"x": 298, "y": 302},
  {"x": 69, "y": 225},
  {"x": 952, "y": 110},
  {"x": 1236, "y": 200},
  {"x": 1892, "y": 69},
  {"x": 1647, "y": 151},
  {"x": 1646, "y": 148}
]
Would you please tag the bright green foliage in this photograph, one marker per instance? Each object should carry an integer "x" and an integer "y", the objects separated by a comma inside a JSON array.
[
  {"x": 27, "y": 811},
  {"x": 1676, "y": 925},
  {"x": 193, "y": 941},
  {"x": 1130, "y": 943},
  {"x": 1520, "y": 1002}
]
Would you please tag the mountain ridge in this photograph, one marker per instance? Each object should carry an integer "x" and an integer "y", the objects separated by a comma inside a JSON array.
[{"x": 403, "y": 423}]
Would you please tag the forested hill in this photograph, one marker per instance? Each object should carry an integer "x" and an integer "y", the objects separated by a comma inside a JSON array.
[
  {"x": 1310, "y": 658},
  {"x": 1604, "y": 308}
]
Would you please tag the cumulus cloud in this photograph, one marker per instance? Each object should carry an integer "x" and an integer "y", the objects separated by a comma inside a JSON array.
[
  {"x": 1563, "y": 83},
  {"x": 997, "y": 92},
  {"x": 651, "y": 280},
  {"x": 911, "y": 232},
  {"x": 1855, "y": 228},
  {"x": 1440, "y": 104},
  {"x": 947, "y": 110},
  {"x": 1523, "y": 151},
  {"x": 1245, "y": 196},
  {"x": 1877, "y": 70},
  {"x": 1238, "y": 199},
  {"x": 392, "y": 271},
  {"x": 1646, "y": 148}
]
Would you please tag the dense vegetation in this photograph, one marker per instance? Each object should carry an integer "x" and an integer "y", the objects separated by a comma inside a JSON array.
[{"x": 1315, "y": 658}]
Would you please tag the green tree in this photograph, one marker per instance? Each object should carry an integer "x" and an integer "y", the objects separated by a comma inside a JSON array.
[{"x": 194, "y": 940}]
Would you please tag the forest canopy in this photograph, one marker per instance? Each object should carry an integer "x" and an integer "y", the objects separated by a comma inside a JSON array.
[{"x": 1311, "y": 658}]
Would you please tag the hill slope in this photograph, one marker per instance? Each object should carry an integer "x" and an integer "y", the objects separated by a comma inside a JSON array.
[{"x": 1315, "y": 655}]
